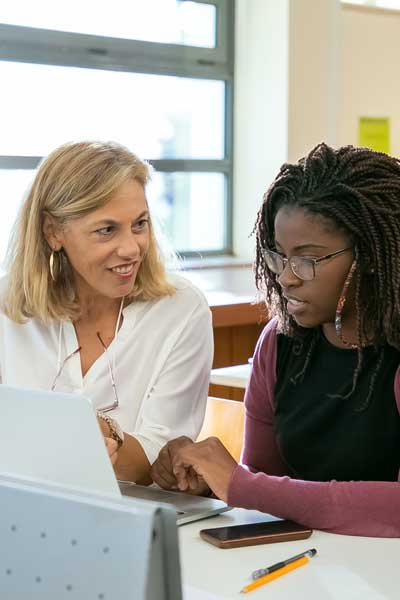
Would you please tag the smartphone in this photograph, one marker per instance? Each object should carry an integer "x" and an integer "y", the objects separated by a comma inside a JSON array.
[{"x": 266, "y": 532}]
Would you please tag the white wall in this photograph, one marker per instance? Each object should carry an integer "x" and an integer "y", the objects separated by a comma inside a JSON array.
[
  {"x": 314, "y": 85},
  {"x": 285, "y": 90},
  {"x": 370, "y": 52},
  {"x": 260, "y": 109},
  {"x": 305, "y": 71}
]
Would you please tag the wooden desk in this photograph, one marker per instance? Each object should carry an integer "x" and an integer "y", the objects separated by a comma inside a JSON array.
[
  {"x": 345, "y": 568},
  {"x": 237, "y": 319},
  {"x": 231, "y": 294}
]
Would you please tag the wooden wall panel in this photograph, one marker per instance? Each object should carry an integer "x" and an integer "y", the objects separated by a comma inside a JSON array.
[
  {"x": 233, "y": 345},
  {"x": 237, "y": 318}
]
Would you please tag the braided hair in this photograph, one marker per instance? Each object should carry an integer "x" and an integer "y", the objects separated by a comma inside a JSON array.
[{"x": 358, "y": 191}]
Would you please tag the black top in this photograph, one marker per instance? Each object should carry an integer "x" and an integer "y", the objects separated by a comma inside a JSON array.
[{"x": 322, "y": 436}]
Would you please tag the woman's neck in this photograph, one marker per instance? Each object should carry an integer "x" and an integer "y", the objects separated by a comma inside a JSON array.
[
  {"x": 330, "y": 334},
  {"x": 96, "y": 310},
  {"x": 349, "y": 334}
]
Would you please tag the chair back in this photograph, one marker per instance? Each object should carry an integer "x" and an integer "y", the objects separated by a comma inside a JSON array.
[{"x": 224, "y": 419}]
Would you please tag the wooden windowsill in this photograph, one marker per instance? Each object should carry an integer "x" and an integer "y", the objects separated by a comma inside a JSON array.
[
  {"x": 365, "y": 8},
  {"x": 231, "y": 294},
  {"x": 238, "y": 314}
]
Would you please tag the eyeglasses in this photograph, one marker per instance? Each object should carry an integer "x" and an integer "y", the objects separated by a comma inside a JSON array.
[
  {"x": 61, "y": 367},
  {"x": 302, "y": 267},
  {"x": 115, "y": 404},
  {"x": 103, "y": 409}
]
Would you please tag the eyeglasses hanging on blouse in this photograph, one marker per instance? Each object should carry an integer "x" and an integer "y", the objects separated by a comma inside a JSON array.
[{"x": 111, "y": 363}]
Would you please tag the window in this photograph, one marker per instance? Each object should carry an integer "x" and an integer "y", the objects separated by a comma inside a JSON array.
[
  {"x": 177, "y": 22},
  {"x": 161, "y": 86},
  {"x": 390, "y": 4}
]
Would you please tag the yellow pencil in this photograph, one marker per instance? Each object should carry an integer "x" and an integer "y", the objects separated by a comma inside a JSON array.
[{"x": 271, "y": 576}]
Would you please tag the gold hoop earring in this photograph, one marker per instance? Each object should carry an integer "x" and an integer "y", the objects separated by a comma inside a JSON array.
[{"x": 52, "y": 266}]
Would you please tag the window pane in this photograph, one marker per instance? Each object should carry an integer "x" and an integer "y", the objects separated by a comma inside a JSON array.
[
  {"x": 393, "y": 4},
  {"x": 191, "y": 208},
  {"x": 13, "y": 185},
  {"x": 156, "y": 116},
  {"x": 164, "y": 21}
]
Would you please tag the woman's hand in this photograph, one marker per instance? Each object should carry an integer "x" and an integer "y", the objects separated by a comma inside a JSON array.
[
  {"x": 111, "y": 444},
  {"x": 208, "y": 460},
  {"x": 162, "y": 471},
  {"x": 112, "y": 449}
]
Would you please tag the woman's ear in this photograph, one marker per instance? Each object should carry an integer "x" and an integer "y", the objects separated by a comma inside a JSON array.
[{"x": 52, "y": 232}]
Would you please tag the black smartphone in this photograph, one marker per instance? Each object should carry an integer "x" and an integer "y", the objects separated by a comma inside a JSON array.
[{"x": 266, "y": 532}]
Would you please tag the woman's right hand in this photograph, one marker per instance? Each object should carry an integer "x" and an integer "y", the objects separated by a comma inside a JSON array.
[
  {"x": 112, "y": 449},
  {"x": 162, "y": 470}
]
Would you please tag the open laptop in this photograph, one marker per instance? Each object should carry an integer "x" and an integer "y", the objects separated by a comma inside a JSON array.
[
  {"x": 55, "y": 437},
  {"x": 188, "y": 508}
]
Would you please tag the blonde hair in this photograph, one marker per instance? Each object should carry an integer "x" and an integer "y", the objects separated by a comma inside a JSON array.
[{"x": 73, "y": 181}]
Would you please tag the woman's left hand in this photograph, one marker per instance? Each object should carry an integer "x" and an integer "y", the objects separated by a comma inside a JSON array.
[
  {"x": 209, "y": 459},
  {"x": 112, "y": 449},
  {"x": 111, "y": 445}
]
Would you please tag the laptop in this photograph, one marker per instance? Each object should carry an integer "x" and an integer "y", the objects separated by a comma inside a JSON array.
[
  {"x": 55, "y": 437},
  {"x": 58, "y": 543},
  {"x": 188, "y": 508}
]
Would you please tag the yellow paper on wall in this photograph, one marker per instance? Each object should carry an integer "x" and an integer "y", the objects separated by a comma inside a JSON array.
[{"x": 374, "y": 133}]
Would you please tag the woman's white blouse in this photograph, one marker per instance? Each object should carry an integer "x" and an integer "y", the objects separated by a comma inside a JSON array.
[{"x": 162, "y": 356}]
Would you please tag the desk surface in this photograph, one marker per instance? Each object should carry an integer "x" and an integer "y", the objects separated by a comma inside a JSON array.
[
  {"x": 231, "y": 294},
  {"x": 235, "y": 376},
  {"x": 224, "y": 285},
  {"x": 345, "y": 568}
]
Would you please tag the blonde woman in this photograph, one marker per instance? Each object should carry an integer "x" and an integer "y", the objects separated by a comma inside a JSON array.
[{"x": 87, "y": 306}]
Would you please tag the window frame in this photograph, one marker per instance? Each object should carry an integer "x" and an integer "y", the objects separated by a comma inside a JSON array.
[{"x": 58, "y": 48}]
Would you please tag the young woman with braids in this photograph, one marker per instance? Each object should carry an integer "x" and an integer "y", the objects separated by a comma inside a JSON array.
[{"x": 322, "y": 433}]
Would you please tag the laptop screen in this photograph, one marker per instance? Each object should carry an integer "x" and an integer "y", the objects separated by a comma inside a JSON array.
[{"x": 55, "y": 438}]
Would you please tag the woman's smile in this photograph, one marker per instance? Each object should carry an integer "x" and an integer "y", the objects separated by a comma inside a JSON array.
[{"x": 125, "y": 272}]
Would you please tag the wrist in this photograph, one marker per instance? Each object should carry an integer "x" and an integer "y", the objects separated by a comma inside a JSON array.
[
  {"x": 104, "y": 426},
  {"x": 114, "y": 429}
]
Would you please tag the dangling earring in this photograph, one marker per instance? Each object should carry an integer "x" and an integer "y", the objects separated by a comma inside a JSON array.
[
  {"x": 52, "y": 266},
  {"x": 341, "y": 303}
]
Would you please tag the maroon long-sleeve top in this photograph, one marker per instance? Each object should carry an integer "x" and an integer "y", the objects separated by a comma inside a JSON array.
[{"x": 261, "y": 482}]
